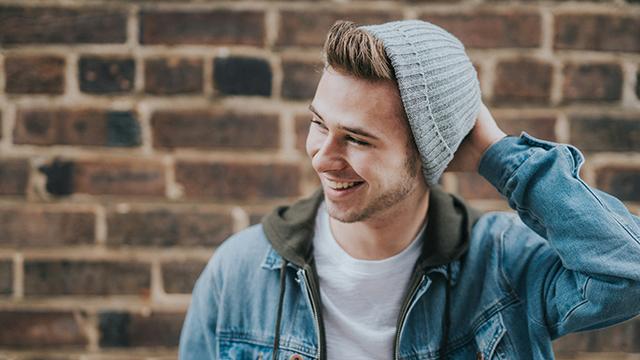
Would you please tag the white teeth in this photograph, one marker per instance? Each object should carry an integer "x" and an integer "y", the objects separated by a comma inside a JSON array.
[{"x": 340, "y": 185}]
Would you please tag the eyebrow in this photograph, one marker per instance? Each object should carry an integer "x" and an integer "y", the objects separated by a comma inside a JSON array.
[{"x": 357, "y": 131}]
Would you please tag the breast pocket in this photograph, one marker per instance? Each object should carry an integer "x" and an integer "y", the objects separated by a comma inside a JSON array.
[
  {"x": 492, "y": 341},
  {"x": 244, "y": 350},
  {"x": 247, "y": 351}
]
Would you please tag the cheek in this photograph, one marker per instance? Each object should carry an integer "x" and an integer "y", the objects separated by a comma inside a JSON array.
[{"x": 365, "y": 163}]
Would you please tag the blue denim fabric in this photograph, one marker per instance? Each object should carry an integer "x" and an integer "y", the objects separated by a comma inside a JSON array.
[{"x": 568, "y": 261}]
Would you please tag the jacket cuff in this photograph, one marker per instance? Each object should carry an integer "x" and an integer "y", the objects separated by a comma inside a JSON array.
[{"x": 502, "y": 159}]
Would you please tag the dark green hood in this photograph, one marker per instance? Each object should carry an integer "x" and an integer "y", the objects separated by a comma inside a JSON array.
[{"x": 290, "y": 229}]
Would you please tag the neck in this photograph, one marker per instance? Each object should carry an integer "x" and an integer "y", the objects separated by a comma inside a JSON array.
[{"x": 386, "y": 233}]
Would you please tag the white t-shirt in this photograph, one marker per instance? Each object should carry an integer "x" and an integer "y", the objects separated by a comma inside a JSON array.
[{"x": 361, "y": 299}]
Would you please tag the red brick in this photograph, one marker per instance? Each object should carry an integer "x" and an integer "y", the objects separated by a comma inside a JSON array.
[
  {"x": 121, "y": 329},
  {"x": 592, "y": 82},
  {"x": 484, "y": 29},
  {"x": 605, "y": 133},
  {"x": 57, "y": 25},
  {"x": 32, "y": 329},
  {"x": 65, "y": 277},
  {"x": 473, "y": 186},
  {"x": 15, "y": 176},
  {"x": 6, "y": 277},
  {"x": 59, "y": 177},
  {"x": 106, "y": 75},
  {"x": 180, "y": 277},
  {"x": 166, "y": 227},
  {"x": 300, "y": 79},
  {"x": 47, "y": 227},
  {"x": 215, "y": 129},
  {"x": 302, "y": 123},
  {"x": 622, "y": 182},
  {"x": 597, "y": 32},
  {"x": 34, "y": 74},
  {"x": 542, "y": 127},
  {"x": 87, "y": 127},
  {"x": 522, "y": 81},
  {"x": 119, "y": 177},
  {"x": 239, "y": 75},
  {"x": 309, "y": 28},
  {"x": 173, "y": 76},
  {"x": 217, "y": 27},
  {"x": 239, "y": 182}
]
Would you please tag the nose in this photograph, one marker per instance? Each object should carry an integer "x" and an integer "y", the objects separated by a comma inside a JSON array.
[{"x": 329, "y": 155}]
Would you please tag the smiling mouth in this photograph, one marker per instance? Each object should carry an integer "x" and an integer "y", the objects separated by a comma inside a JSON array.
[{"x": 342, "y": 185}]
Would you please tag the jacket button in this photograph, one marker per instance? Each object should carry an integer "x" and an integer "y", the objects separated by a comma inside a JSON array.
[
  {"x": 479, "y": 356},
  {"x": 296, "y": 357}
]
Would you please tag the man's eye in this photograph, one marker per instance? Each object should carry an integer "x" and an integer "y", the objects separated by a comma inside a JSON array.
[
  {"x": 356, "y": 141},
  {"x": 316, "y": 122}
]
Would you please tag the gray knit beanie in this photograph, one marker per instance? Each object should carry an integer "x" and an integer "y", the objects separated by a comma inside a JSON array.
[{"x": 438, "y": 86}]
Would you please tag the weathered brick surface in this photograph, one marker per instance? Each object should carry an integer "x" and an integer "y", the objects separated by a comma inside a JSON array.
[
  {"x": 121, "y": 329},
  {"x": 179, "y": 277},
  {"x": 621, "y": 182},
  {"x": 300, "y": 79},
  {"x": 473, "y": 186},
  {"x": 597, "y": 32},
  {"x": 106, "y": 75},
  {"x": 242, "y": 76},
  {"x": 218, "y": 27},
  {"x": 66, "y": 277},
  {"x": 146, "y": 146},
  {"x": 108, "y": 177},
  {"x": 592, "y": 82},
  {"x": 58, "y": 25},
  {"x": 166, "y": 227},
  {"x": 26, "y": 329},
  {"x": 485, "y": 29},
  {"x": 605, "y": 133},
  {"x": 542, "y": 127},
  {"x": 239, "y": 182},
  {"x": 46, "y": 227},
  {"x": 171, "y": 76},
  {"x": 89, "y": 127},
  {"x": 522, "y": 81},
  {"x": 215, "y": 129},
  {"x": 6, "y": 277},
  {"x": 14, "y": 175},
  {"x": 309, "y": 28},
  {"x": 34, "y": 74}
]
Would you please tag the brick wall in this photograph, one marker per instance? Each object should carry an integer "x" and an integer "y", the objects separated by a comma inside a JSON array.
[{"x": 136, "y": 136}]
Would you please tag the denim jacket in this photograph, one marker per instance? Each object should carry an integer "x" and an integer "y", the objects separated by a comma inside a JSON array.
[{"x": 497, "y": 286}]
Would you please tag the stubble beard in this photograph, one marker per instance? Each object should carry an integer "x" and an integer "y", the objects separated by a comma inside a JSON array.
[{"x": 383, "y": 201}]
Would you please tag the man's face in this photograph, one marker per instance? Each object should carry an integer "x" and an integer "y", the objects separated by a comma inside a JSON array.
[{"x": 361, "y": 148}]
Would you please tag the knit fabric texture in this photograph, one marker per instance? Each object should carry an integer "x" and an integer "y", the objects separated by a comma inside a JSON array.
[{"x": 438, "y": 85}]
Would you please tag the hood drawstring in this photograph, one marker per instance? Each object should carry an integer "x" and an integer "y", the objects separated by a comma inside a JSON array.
[
  {"x": 445, "y": 323},
  {"x": 283, "y": 284}
]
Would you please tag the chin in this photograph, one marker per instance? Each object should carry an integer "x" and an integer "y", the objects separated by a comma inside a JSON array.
[{"x": 346, "y": 215}]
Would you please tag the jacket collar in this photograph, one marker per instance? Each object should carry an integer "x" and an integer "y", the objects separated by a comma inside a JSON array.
[{"x": 290, "y": 231}]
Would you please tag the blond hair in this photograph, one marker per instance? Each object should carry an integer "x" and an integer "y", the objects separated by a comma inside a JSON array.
[{"x": 356, "y": 52}]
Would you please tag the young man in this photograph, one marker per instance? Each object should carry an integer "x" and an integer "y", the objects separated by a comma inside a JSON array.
[{"x": 380, "y": 263}]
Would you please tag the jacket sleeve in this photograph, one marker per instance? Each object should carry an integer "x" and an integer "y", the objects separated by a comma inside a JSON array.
[
  {"x": 585, "y": 274},
  {"x": 198, "y": 336}
]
